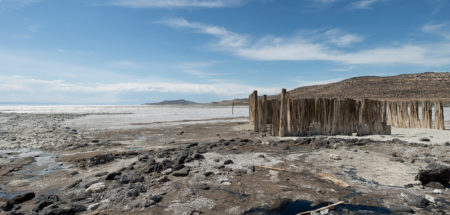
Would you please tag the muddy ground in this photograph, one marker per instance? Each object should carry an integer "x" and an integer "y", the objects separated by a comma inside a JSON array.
[{"x": 48, "y": 167}]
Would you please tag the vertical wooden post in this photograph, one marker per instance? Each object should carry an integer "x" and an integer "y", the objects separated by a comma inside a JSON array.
[
  {"x": 283, "y": 113},
  {"x": 264, "y": 111},
  {"x": 424, "y": 114},
  {"x": 439, "y": 116},
  {"x": 404, "y": 116},
  {"x": 255, "y": 112},
  {"x": 232, "y": 108},
  {"x": 250, "y": 109},
  {"x": 289, "y": 115},
  {"x": 423, "y": 123},
  {"x": 384, "y": 112},
  {"x": 414, "y": 114},
  {"x": 427, "y": 114}
]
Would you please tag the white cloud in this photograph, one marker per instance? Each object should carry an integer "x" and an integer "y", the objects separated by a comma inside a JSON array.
[
  {"x": 322, "y": 47},
  {"x": 440, "y": 29},
  {"x": 363, "y": 4},
  {"x": 176, "y": 3},
  {"x": 432, "y": 27},
  {"x": 226, "y": 38},
  {"x": 35, "y": 90},
  {"x": 340, "y": 38}
]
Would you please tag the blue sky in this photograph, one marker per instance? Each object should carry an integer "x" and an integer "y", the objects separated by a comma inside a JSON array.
[{"x": 136, "y": 51}]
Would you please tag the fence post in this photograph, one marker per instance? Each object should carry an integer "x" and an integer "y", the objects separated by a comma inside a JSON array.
[
  {"x": 283, "y": 113},
  {"x": 439, "y": 116},
  {"x": 255, "y": 111},
  {"x": 263, "y": 110}
]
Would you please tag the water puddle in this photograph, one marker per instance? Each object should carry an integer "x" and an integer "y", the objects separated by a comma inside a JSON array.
[{"x": 36, "y": 163}]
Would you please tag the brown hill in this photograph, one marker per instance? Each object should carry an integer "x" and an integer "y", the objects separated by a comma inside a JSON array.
[{"x": 427, "y": 85}]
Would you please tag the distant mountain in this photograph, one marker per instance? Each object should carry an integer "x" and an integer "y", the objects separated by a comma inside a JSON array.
[{"x": 173, "y": 102}]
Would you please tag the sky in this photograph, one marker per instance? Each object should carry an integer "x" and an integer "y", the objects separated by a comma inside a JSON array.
[{"x": 138, "y": 51}]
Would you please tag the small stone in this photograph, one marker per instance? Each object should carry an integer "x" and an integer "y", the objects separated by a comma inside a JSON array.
[
  {"x": 408, "y": 186},
  {"x": 132, "y": 192},
  {"x": 182, "y": 172},
  {"x": 400, "y": 209},
  {"x": 430, "y": 198},
  {"x": 93, "y": 206},
  {"x": 97, "y": 187},
  {"x": 397, "y": 159},
  {"x": 155, "y": 197},
  {"x": 424, "y": 139},
  {"x": 23, "y": 198},
  {"x": 202, "y": 186},
  {"x": 198, "y": 157},
  {"x": 228, "y": 162},
  {"x": 435, "y": 185},
  {"x": 415, "y": 200},
  {"x": 335, "y": 157},
  {"x": 81, "y": 195},
  {"x": 137, "y": 178},
  {"x": 124, "y": 179},
  {"x": 139, "y": 187},
  {"x": 111, "y": 176},
  {"x": 7, "y": 206},
  {"x": 224, "y": 180},
  {"x": 198, "y": 177},
  {"x": 438, "y": 191},
  {"x": 167, "y": 171},
  {"x": 44, "y": 201}
]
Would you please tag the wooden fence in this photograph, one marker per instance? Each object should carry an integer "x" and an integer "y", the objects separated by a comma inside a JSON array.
[
  {"x": 322, "y": 116},
  {"x": 406, "y": 114}
]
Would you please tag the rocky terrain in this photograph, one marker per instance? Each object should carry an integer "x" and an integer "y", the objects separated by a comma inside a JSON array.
[{"x": 48, "y": 167}]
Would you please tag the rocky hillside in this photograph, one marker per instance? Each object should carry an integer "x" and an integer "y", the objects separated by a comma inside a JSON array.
[{"x": 408, "y": 86}]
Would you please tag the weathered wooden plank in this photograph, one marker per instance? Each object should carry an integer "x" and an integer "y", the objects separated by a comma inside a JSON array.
[
  {"x": 263, "y": 110},
  {"x": 414, "y": 114},
  {"x": 439, "y": 116},
  {"x": 255, "y": 111},
  {"x": 283, "y": 114}
]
